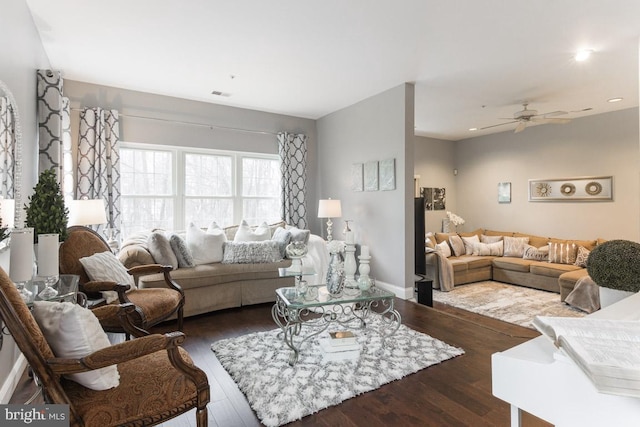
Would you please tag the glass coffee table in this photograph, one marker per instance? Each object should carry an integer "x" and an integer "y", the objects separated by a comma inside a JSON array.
[{"x": 317, "y": 309}]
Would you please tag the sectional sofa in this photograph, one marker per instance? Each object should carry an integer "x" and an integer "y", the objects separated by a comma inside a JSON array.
[{"x": 546, "y": 263}]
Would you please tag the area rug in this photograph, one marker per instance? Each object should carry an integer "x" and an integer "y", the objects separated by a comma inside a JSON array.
[
  {"x": 510, "y": 303},
  {"x": 279, "y": 393}
]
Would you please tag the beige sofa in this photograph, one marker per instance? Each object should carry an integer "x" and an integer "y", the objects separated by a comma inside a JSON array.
[
  {"x": 539, "y": 274},
  {"x": 214, "y": 286}
]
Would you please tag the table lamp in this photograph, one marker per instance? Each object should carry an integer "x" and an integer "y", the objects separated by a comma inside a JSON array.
[
  {"x": 329, "y": 209},
  {"x": 87, "y": 212}
]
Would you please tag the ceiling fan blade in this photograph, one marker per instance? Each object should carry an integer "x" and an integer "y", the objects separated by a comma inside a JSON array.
[
  {"x": 550, "y": 120},
  {"x": 554, "y": 113},
  {"x": 521, "y": 126},
  {"x": 501, "y": 124}
]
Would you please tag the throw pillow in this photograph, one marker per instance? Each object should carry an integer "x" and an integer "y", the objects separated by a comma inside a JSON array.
[
  {"x": 581, "y": 257},
  {"x": 283, "y": 238},
  {"x": 251, "y": 252},
  {"x": 468, "y": 243},
  {"x": 563, "y": 253},
  {"x": 444, "y": 249},
  {"x": 490, "y": 239},
  {"x": 161, "y": 250},
  {"x": 181, "y": 251},
  {"x": 74, "y": 332},
  {"x": 537, "y": 254},
  {"x": 514, "y": 246},
  {"x": 247, "y": 234},
  {"x": 430, "y": 240},
  {"x": 205, "y": 247},
  {"x": 298, "y": 235},
  {"x": 457, "y": 245},
  {"x": 213, "y": 227},
  {"x": 488, "y": 249},
  {"x": 105, "y": 267}
]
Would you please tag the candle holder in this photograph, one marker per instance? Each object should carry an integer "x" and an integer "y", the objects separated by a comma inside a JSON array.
[
  {"x": 350, "y": 284},
  {"x": 364, "y": 281}
]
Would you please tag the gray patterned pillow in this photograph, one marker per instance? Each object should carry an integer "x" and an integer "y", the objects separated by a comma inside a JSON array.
[
  {"x": 181, "y": 251},
  {"x": 283, "y": 237},
  {"x": 514, "y": 246},
  {"x": 298, "y": 235},
  {"x": 581, "y": 258},
  {"x": 537, "y": 254},
  {"x": 251, "y": 252},
  {"x": 160, "y": 249}
]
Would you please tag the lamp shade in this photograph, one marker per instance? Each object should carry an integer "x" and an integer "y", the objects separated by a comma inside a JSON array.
[
  {"x": 87, "y": 212},
  {"x": 7, "y": 212},
  {"x": 329, "y": 209}
]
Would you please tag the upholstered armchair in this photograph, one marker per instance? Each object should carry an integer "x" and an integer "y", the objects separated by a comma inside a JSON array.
[
  {"x": 152, "y": 305},
  {"x": 155, "y": 379}
]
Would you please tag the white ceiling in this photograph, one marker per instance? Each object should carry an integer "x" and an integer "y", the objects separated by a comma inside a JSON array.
[{"x": 472, "y": 61}]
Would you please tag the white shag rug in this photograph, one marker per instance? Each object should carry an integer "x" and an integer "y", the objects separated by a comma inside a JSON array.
[
  {"x": 279, "y": 393},
  {"x": 510, "y": 303}
]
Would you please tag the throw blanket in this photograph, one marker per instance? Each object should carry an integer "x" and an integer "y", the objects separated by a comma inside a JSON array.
[
  {"x": 585, "y": 295},
  {"x": 445, "y": 270}
]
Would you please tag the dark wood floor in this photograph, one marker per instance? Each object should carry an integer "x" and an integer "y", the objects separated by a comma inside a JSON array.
[{"x": 454, "y": 393}]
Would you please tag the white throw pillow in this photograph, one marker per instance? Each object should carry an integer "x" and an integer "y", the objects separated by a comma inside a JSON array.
[
  {"x": 468, "y": 243},
  {"x": 74, "y": 332},
  {"x": 205, "y": 247},
  {"x": 444, "y": 249},
  {"x": 104, "y": 266},
  {"x": 515, "y": 246},
  {"x": 488, "y": 249},
  {"x": 161, "y": 250},
  {"x": 246, "y": 234}
]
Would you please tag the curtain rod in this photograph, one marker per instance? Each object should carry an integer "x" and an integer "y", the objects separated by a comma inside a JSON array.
[{"x": 210, "y": 126}]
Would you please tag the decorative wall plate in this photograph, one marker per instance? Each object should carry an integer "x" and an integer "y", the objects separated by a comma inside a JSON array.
[{"x": 594, "y": 188}]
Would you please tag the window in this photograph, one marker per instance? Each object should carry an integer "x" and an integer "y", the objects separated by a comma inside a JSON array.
[{"x": 168, "y": 187}]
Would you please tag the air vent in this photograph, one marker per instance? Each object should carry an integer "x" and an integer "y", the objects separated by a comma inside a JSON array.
[{"x": 218, "y": 93}]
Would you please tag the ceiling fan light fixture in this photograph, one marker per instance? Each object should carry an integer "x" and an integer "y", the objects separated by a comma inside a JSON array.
[
  {"x": 614, "y": 99},
  {"x": 583, "y": 55},
  {"x": 473, "y": 129}
]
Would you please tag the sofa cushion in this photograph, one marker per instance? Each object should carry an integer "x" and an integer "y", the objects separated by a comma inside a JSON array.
[
  {"x": 205, "y": 247},
  {"x": 160, "y": 249},
  {"x": 562, "y": 253},
  {"x": 444, "y": 249},
  {"x": 490, "y": 239},
  {"x": 589, "y": 244},
  {"x": 251, "y": 252},
  {"x": 514, "y": 246},
  {"x": 134, "y": 255},
  {"x": 581, "y": 257},
  {"x": 457, "y": 245},
  {"x": 459, "y": 264},
  {"x": 474, "y": 262},
  {"x": 444, "y": 237},
  {"x": 486, "y": 249},
  {"x": 512, "y": 263},
  {"x": 498, "y": 233},
  {"x": 536, "y": 254},
  {"x": 537, "y": 241},
  {"x": 249, "y": 234},
  {"x": 468, "y": 243},
  {"x": 549, "y": 269}
]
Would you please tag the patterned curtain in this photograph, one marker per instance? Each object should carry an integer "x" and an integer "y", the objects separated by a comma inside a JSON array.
[
  {"x": 54, "y": 129},
  {"x": 7, "y": 149},
  {"x": 293, "y": 166},
  {"x": 99, "y": 164}
]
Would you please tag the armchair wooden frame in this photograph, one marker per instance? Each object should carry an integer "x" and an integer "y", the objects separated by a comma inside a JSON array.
[
  {"x": 152, "y": 365},
  {"x": 152, "y": 305}
]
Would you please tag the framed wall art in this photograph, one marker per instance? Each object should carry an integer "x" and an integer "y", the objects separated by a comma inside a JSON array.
[
  {"x": 371, "y": 176},
  {"x": 387, "y": 169},
  {"x": 356, "y": 177},
  {"x": 504, "y": 192},
  {"x": 434, "y": 198},
  {"x": 593, "y": 188}
]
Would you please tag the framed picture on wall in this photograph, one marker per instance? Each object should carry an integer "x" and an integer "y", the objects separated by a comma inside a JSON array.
[
  {"x": 356, "y": 177},
  {"x": 371, "y": 176},
  {"x": 504, "y": 192}
]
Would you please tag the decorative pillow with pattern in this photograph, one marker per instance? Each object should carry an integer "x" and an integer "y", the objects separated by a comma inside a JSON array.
[
  {"x": 563, "y": 253},
  {"x": 251, "y": 252},
  {"x": 105, "y": 267},
  {"x": 457, "y": 245},
  {"x": 283, "y": 237},
  {"x": 444, "y": 249},
  {"x": 514, "y": 246},
  {"x": 160, "y": 249},
  {"x": 468, "y": 243},
  {"x": 181, "y": 250},
  {"x": 490, "y": 239},
  {"x": 488, "y": 249},
  {"x": 537, "y": 254},
  {"x": 581, "y": 257}
]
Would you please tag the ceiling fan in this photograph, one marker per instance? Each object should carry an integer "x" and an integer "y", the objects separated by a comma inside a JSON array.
[{"x": 526, "y": 117}]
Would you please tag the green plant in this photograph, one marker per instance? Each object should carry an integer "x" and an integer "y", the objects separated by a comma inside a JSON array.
[
  {"x": 46, "y": 212},
  {"x": 615, "y": 264}
]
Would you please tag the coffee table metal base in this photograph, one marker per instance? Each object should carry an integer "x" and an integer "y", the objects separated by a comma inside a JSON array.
[{"x": 291, "y": 319}]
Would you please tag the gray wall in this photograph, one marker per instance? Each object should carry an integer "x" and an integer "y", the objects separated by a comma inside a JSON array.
[
  {"x": 603, "y": 144},
  {"x": 378, "y": 128},
  {"x": 21, "y": 54}
]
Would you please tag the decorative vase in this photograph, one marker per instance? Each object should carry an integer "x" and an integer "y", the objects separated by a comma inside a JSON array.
[
  {"x": 609, "y": 296},
  {"x": 335, "y": 274}
]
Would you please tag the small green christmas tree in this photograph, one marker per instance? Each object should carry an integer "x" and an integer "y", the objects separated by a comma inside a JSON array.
[{"x": 46, "y": 212}]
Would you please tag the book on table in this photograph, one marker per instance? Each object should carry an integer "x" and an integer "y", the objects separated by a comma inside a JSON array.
[
  {"x": 607, "y": 351},
  {"x": 338, "y": 338}
]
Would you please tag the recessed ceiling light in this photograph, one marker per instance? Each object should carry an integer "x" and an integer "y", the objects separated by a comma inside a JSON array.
[
  {"x": 614, "y": 100},
  {"x": 583, "y": 55},
  {"x": 472, "y": 129}
]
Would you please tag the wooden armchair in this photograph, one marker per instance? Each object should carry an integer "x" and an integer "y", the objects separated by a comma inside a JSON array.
[
  {"x": 152, "y": 306},
  {"x": 158, "y": 380}
]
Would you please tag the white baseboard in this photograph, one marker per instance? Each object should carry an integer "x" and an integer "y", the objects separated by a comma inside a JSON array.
[
  {"x": 400, "y": 292},
  {"x": 10, "y": 384}
]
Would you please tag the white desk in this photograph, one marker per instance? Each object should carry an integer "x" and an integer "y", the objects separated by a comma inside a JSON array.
[{"x": 530, "y": 378}]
